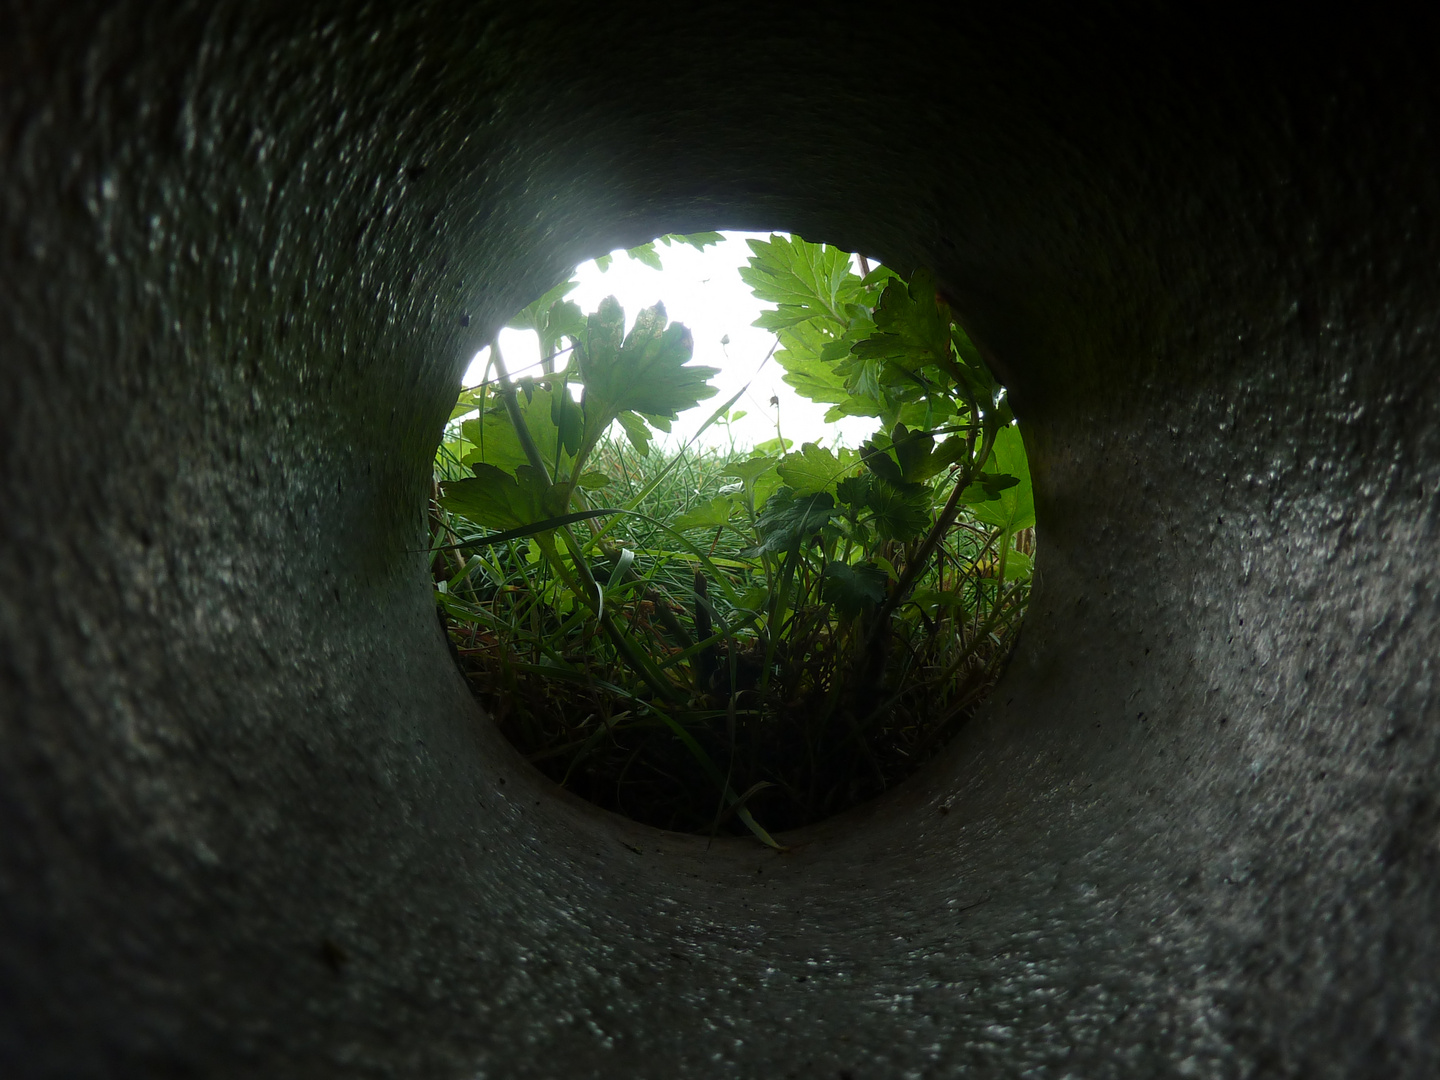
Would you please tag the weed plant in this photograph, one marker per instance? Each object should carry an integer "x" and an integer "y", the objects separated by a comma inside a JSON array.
[{"x": 719, "y": 640}]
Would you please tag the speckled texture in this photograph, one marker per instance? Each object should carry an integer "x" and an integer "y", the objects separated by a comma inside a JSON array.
[{"x": 251, "y": 823}]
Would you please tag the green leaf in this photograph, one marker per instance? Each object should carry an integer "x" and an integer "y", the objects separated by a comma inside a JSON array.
[
  {"x": 764, "y": 487},
  {"x": 749, "y": 469},
  {"x": 782, "y": 318},
  {"x": 699, "y": 241},
  {"x": 913, "y": 327},
  {"x": 789, "y": 519},
  {"x": 853, "y": 406},
  {"x": 912, "y": 448},
  {"x": 919, "y": 457},
  {"x": 966, "y": 348},
  {"x": 646, "y": 372},
  {"x": 853, "y": 589},
  {"x": 755, "y": 598},
  {"x": 1015, "y": 507},
  {"x": 1018, "y": 566},
  {"x": 564, "y": 319},
  {"x": 816, "y": 379},
  {"x": 602, "y": 262},
  {"x": 758, "y": 475},
  {"x": 646, "y": 254},
  {"x": 712, "y": 515},
  {"x": 637, "y": 431},
  {"x": 495, "y": 499},
  {"x": 594, "y": 481},
  {"x": 531, "y": 317},
  {"x": 816, "y": 469},
  {"x": 455, "y": 449},
  {"x": 880, "y": 463},
  {"x": 806, "y": 342},
  {"x": 986, "y": 487},
  {"x": 806, "y": 281},
  {"x": 853, "y": 491},
  {"x": 494, "y": 436},
  {"x": 879, "y": 275},
  {"x": 898, "y": 511},
  {"x": 774, "y": 446},
  {"x": 551, "y": 317},
  {"x": 569, "y": 420},
  {"x": 470, "y": 399}
]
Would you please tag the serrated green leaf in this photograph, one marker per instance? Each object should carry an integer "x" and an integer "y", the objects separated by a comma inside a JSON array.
[
  {"x": 495, "y": 499},
  {"x": 765, "y": 486},
  {"x": 912, "y": 449},
  {"x": 1014, "y": 509},
  {"x": 806, "y": 281},
  {"x": 920, "y": 458},
  {"x": 637, "y": 431},
  {"x": 855, "y": 406},
  {"x": 551, "y": 317},
  {"x": 712, "y": 515},
  {"x": 815, "y": 468},
  {"x": 986, "y": 487},
  {"x": 699, "y": 241},
  {"x": 789, "y": 519},
  {"x": 782, "y": 318},
  {"x": 898, "y": 511},
  {"x": 837, "y": 350},
  {"x": 751, "y": 468},
  {"x": 879, "y": 275},
  {"x": 912, "y": 326},
  {"x": 645, "y": 372},
  {"x": 853, "y": 490},
  {"x": 817, "y": 380},
  {"x": 806, "y": 340},
  {"x": 774, "y": 446},
  {"x": 565, "y": 319},
  {"x": 646, "y": 253},
  {"x": 879, "y": 462},
  {"x": 1017, "y": 566},
  {"x": 494, "y": 437},
  {"x": 532, "y": 316},
  {"x": 853, "y": 589}
]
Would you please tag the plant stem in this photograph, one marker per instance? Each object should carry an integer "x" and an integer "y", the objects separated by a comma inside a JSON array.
[
  {"x": 915, "y": 566},
  {"x": 591, "y": 593}
]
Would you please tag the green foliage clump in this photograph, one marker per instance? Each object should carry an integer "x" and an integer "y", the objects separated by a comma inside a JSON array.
[{"x": 720, "y": 640}]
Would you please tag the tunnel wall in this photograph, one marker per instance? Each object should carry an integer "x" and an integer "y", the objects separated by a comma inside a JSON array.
[{"x": 251, "y": 822}]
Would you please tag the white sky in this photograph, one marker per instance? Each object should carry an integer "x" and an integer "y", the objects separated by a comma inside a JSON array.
[{"x": 703, "y": 291}]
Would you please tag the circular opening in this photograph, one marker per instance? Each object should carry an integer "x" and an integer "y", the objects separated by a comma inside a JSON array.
[{"x": 710, "y": 631}]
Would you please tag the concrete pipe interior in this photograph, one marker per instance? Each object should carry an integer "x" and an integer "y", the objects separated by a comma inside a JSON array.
[{"x": 251, "y": 822}]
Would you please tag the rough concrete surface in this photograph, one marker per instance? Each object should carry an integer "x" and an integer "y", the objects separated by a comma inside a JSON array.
[{"x": 251, "y": 823}]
